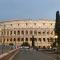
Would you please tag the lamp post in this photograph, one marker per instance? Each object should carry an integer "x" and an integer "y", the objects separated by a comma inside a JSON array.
[{"x": 56, "y": 45}]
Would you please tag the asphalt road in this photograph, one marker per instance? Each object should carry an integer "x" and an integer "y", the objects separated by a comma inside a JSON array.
[{"x": 33, "y": 55}]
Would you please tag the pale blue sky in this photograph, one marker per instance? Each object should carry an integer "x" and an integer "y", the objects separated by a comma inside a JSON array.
[{"x": 11, "y": 9}]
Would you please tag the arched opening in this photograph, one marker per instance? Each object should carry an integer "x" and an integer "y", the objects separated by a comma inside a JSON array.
[
  {"x": 25, "y": 44},
  {"x": 44, "y": 47},
  {"x": 48, "y": 47},
  {"x": 11, "y": 44}
]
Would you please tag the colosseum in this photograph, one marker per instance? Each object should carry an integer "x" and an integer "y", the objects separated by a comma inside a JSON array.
[{"x": 17, "y": 31}]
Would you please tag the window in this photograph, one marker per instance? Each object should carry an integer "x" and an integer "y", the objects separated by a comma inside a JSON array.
[
  {"x": 22, "y": 39},
  {"x": 44, "y": 47},
  {"x": 7, "y": 40},
  {"x": 18, "y": 39},
  {"x": 22, "y": 32},
  {"x": 52, "y": 33},
  {"x": 18, "y": 32},
  {"x": 43, "y": 32},
  {"x": 44, "y": 39},
  {"x": 50, "y": 23},
  {"x": 34, "y": 23},
  {"x": 26, "y": 39},
  {"x": 2, "y": 33},
  {"x": 40, "y": 39},
  {"x": 3, "y": 40},
  {"x": 43, "y": 23},
  {"x": 31, "y": 32},
  {"x": 26, "y": 23},
  {"x": 26, "y": 32},
  {"x": 18, "y": 24},
  {"x": 11, "y": 39},
  {"x": 11, "y": 24},
  {"x": 47, "y": 32},
  {"x": 30, "y": 39},
  {"x": 10, "y": 32},
  {"x": 51, "y": 39},
  {"x": 39, "y": 32},
  {"x": 48, "y": 39},
  {"x": 14, "y": 39},
  {"x": 15, "y": 32}
]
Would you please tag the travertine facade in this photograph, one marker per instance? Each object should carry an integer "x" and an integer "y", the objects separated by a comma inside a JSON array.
[{"x": 19, "y": 31}]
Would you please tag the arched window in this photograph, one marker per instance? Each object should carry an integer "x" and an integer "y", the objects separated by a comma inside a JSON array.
[
  {"x": 43, "y": 32},
  {"x": 26, "y": 23},
  {"x": 14, "y": 39},
  {"x": 10, "y": 32},
  {"x": 48, "y": 39},
  {"x": 39, "y": 32},
  {"x": 43, "y": 23},
  {"x": 52, "y": 32},
  {"x": 11, "y": 24},
  {"x": 26, "y": 39},
  {"x": 35, "y": 39},
  {"x": 18, "y": 24},
  {"x": 31, "y": 32},
  {"x": 22, "y": 32},
  {"x": 1, "y": 33},
  {"x": 3, "y": 40},
  {"x": 48, "y": 32},
  {"x": 22, "y": 39},
  {"x": 7, "y": 40},
  {"x": 40, "y": 39},
  {"x": 18, "y": 39},
  {"x": 18, "y": 32},
  {"x": 26, "y": 32},
  {"x": 44, "y": 39},
  {"x": 30, "y": 39},
  {"x": 11, "y": 39},
  {"x": 15, "y": 32},
  {"x": 50, "y": 23},
  {"x": 34, "y": 23}
]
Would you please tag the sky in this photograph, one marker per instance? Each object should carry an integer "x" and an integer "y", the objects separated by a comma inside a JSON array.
[{"x": 34, "y": 9}]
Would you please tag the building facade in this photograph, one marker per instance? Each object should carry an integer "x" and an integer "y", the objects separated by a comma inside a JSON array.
[{"x": 19, "y": 31}]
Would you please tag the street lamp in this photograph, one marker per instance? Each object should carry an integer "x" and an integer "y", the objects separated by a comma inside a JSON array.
[{"x": 56, "y": 45}]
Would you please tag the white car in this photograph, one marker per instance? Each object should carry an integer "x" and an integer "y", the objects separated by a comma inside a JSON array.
[{"x": 26, "y": 47}]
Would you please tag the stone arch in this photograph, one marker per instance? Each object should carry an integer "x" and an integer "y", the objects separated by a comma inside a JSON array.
[{"x": 25, "y": 44}]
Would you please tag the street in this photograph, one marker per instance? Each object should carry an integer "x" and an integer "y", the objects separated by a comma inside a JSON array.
[{"x": 34, "y": 55}]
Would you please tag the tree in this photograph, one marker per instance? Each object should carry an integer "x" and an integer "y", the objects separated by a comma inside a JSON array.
[
  {"x": 57, "y": 28},
  {"x": 25, "y": 44},
  {"x": 33, "y": 43}
]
